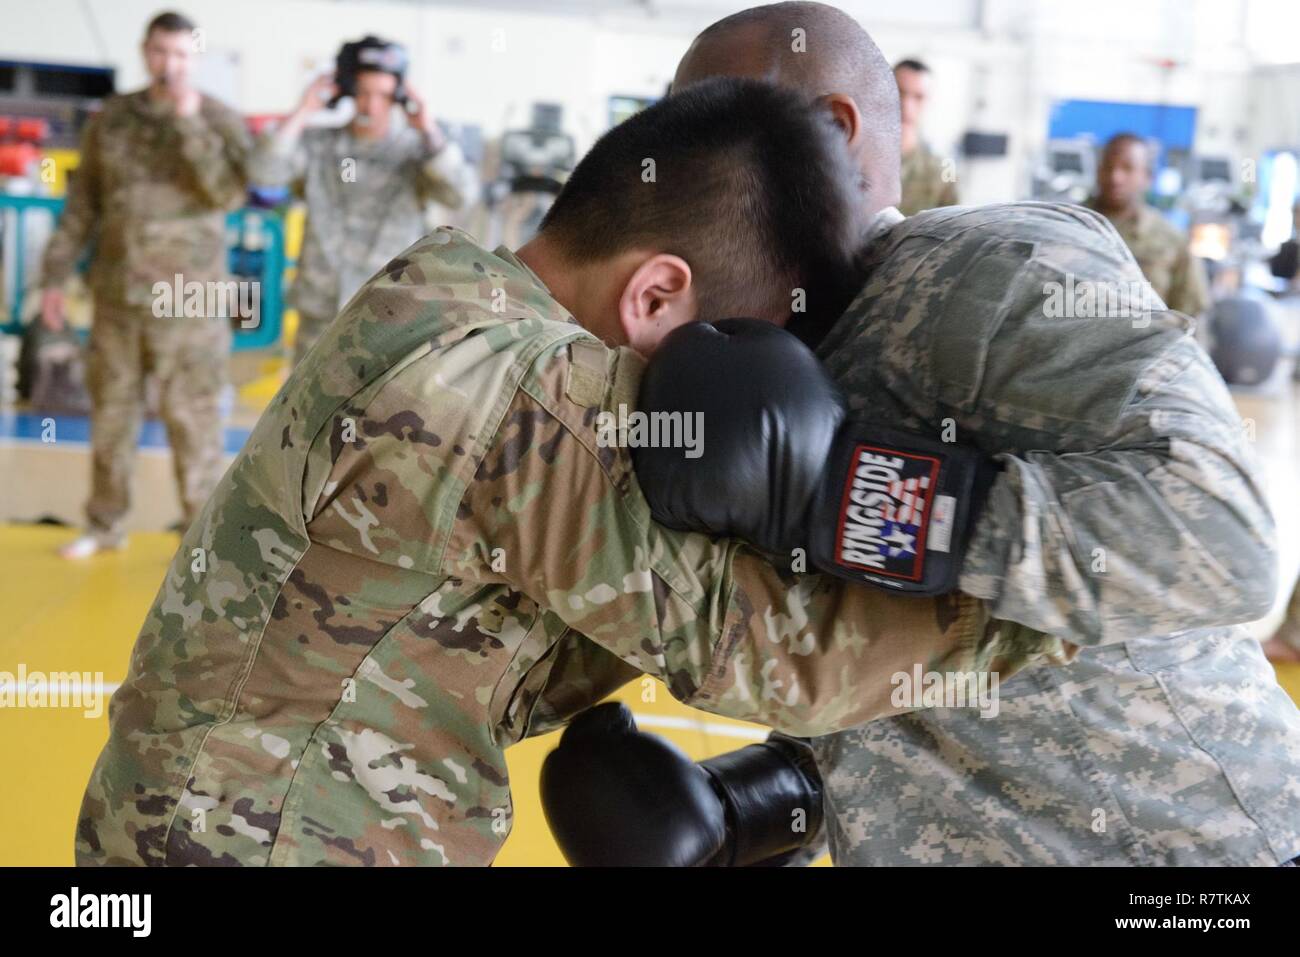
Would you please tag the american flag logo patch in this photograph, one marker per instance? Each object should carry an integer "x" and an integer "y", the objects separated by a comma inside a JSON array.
[{"x": 885, "y": 512}]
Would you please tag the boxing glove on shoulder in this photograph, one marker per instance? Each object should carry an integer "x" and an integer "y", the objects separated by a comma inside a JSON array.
[
  {"x": 616, "y": 796},
  {"x": 779, "y": 463}
]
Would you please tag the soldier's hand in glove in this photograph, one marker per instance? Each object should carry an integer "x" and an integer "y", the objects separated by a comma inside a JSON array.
[{"x": 783, "y": 466}]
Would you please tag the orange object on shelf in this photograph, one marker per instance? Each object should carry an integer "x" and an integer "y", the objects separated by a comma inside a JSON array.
[
  {"x": 17, "y": 159},
  {"x": 32, "y": 129}
]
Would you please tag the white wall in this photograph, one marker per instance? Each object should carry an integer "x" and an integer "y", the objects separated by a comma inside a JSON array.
[
  {"x": 998, "y": 64},
  {"x": 475, "y": 65}
]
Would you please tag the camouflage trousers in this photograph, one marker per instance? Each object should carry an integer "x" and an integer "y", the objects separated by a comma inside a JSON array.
[
  {"x": 188, "y": 357},
  {"x": 1169, "y": 751}
]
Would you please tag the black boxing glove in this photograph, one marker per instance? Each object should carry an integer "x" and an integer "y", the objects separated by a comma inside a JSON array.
[
  {"x": 615, "y": 796},
  {"x": 780, "y": 465}
]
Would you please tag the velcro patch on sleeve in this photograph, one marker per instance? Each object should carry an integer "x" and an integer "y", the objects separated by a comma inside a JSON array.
[{"x": 588, "y": 371}]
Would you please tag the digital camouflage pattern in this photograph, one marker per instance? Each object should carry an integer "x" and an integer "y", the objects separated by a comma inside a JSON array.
[
  {"x": 365, "y": 612},
  {"x": 152, "y": 193},
  {"x": 1128, "y": 519},
  {"x": 923, "y": 183},
  {"x": 1163, "y": 254},
  {"x": 366, "y": 202}
]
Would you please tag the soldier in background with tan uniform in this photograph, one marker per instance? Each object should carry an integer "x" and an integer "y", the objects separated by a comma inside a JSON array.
[
  {"x": 926, "y": 184},
  {"x": 366, "y": 185},
  {"x": 1123, "y": 177},
  {"x": 159, "y": 168}
]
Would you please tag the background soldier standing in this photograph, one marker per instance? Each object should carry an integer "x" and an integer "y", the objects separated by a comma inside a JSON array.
[
  {"x": 1123, "y": 178},
  {"x": 159, "y": 168},
  {"x": 366, "y": 184},
  {"x": 924, "y": 186}
]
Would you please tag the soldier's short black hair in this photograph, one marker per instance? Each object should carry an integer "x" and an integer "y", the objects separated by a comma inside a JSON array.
[
  {"x": 749, "y": 183},
  {"x": 911, "y": 64},
  {"x": 170, "y": 22},
  {"x": 1119, "y": 139},
  {"x": 1126, "y": 137}
]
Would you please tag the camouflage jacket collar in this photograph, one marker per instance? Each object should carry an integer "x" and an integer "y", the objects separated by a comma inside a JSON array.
[
  {"x": 156, "y": 111},
  {"x": 881, "y": 225},
  {"x": 1137, "y": 222},
  {"x": 509, "y": 256},
  {"x": 882, "y": 222}
]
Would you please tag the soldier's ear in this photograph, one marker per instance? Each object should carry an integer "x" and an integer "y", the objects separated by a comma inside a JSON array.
[
  {"x": 845, "y": 114},
  {"x": 657, "y": 298}
]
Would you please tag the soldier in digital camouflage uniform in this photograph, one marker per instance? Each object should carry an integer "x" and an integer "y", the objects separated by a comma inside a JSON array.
[
  {"x": 1127, "y": 520},
  {"x": 1123, "y": 178},
  {"x": 1167, "y": 740},
  {"x": 364, "y": 614},
  {"x": 927, "y": 182},
  {"x": 159, "y": 169},
  {"x": 366, "y": 185}
]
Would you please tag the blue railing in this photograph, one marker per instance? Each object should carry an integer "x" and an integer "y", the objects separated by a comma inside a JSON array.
[{"x": 270, "y": 274}]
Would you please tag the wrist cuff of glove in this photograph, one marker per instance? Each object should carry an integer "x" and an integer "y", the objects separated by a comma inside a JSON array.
[
  {"x": 773, "y": 800},
  {"x": 895, "y": 509}
]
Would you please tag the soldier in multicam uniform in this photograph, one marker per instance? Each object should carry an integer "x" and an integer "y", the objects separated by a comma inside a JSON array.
[
  {"x": 1123, "y": 178},
  {"x": 1127, "y": 519},
  {"x": 366, "y": 184},
  {"x": 159, "y": 169},
  {"x": 364, "y": 614},
  {"x": 927, "y": 180}
]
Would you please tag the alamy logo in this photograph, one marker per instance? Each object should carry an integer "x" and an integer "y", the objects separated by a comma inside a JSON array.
[
  {"x": 102, "y": 910},
  {"x": 651, "y": 430},
  {"x": 945, "y": 689},
  {"x": 57, "y": 689},
  {"x": 207, "y": 300},
  {"x": 1086, "y": 299}
]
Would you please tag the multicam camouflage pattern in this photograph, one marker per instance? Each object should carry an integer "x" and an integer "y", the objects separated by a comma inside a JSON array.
[
  {"x": 1161, "y": 250},
  {"x": 1128, "y": 518},
  {"x": 366, "y": 202},
  {"x": 364, "y": 614},
  {"x": 152, "y": 191},
  {"x": 923, "y": 182},
  {"x": 187, "y": 358}
]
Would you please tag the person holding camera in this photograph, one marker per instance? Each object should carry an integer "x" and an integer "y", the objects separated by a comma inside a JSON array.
[{"x": 366, "y": 184}]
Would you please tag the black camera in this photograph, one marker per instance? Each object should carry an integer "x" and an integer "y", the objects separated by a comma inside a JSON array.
[{"x": 369, "y": 53}]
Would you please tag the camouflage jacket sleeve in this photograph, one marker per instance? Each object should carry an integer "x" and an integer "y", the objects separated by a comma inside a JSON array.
[
  {"x": 216, "y": 146},
  {"x": 1188, "y": 288},
  {"x": 446, "y": 177},
  {"x": 1163, "y": 528},
  {"x": 559, "y": 517},
  {"x": 80, "y": 213}
]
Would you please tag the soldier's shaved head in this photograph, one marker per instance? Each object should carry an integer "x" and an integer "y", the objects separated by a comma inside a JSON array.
[
  {"x": 822, "y": 52},
  {"x": 1124, "y": 173}
]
